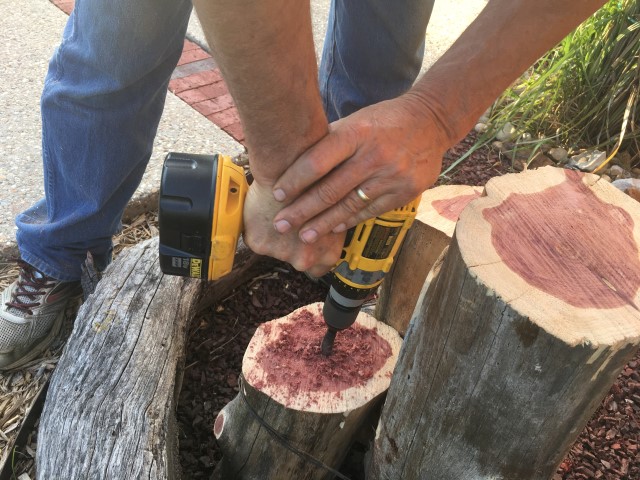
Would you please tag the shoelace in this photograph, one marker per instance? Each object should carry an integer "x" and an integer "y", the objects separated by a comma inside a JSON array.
[{"x": 31, "y": 285}]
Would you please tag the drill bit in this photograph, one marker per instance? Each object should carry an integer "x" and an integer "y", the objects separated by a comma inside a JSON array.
[{"x": 327, "y": 342}]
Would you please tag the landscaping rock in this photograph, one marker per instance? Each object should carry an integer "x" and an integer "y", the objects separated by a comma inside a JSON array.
[
  {"x": 540, "y": 160},
  {"x": 507, "y": 132},
  {"x": 626, "y": 184},
  {"x": 559, "y": 154},
  {"x": 616, "y": 172},
  {"x": 485, "y": 116},
  {"x": 481, "y": 127},
  {"x": 587, "y": 161},
  {"x": 518, "y": 164}
]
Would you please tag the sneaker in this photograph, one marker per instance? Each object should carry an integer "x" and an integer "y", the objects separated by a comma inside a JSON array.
[{"x": 32, "y": 312}]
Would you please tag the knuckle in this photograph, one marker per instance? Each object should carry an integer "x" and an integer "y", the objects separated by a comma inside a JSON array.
[
  {"x": 303, "y": 264},
  {"x": 315, "y": 167},
  {"x": 371, "y": 162},
  {"x": 350, "y": 205},
  {"x": 372, "y": 211},
  {"x": 394, "y": 169},
  {"x": 327, "y": 194},
  {"x": 258, "y": 247}
]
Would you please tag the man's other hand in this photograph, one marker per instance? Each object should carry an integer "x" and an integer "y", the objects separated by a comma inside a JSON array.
[{"x": 262, "y": 238}]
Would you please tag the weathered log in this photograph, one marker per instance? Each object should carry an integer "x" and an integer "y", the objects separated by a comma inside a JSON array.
[
  {"x": 534, "y": 313},
  {"x": 429, "y": 235},
  {"x": 110, "y": 410},
  {"x": 298, "y": 411}
]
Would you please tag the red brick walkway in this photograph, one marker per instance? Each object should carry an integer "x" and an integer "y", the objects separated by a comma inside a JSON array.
[{"x": 197, "y": 81}]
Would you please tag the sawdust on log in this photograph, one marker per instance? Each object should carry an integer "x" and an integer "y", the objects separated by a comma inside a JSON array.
[{"x": 294, "y": 359}]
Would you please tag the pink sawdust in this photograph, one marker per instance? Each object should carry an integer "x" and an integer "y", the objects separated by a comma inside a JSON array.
[{"x": 294, "y": 359}]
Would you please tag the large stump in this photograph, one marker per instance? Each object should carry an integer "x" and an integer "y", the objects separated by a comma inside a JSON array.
[
  {"x": 429, "y": 235},
  {"x": 298, "y": 411},
  {"x": 110, "y": 410},
  {"x": 534, "y": 313}
]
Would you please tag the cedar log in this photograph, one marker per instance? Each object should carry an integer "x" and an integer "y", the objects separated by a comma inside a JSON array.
[
  {"x": 316, "y": 403},
  {"x": 110, "y": 409},
  {"x": 429, "y": 235},
  {"x": 533, "y": 315}
]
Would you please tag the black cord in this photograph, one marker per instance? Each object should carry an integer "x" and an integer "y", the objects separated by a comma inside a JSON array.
[{"x": 283, "y": 441}]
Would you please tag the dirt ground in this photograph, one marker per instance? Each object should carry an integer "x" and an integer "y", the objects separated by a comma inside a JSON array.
[{"x": 606, "y": 449}]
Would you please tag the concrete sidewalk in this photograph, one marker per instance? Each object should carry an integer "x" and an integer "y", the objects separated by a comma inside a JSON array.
[{"x": 198, "y": 117}]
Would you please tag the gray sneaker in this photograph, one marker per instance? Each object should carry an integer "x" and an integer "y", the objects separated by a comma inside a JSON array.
[{"x": 32, "y": 311}]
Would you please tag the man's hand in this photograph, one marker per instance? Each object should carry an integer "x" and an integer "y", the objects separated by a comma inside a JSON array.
[
  {"x": 260, "y": 236},
  {"x": 392, "y": 151},
  {"x": 388, "y": 152}
]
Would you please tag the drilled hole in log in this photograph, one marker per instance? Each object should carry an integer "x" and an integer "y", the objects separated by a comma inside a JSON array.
[{"x": 293, "y": 360}]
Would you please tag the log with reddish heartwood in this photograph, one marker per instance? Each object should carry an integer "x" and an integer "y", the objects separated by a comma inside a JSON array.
[
  {"x": 429, "y": 235},
  {"x": 535, "y": 311}
]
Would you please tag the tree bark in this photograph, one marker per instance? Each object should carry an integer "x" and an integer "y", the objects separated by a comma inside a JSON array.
[
  {"x": 534, "y": 313},
  {"x": 298, "y": 411},
  {"x": 429, "y": 235},
  {"x": 110, "y": 410}
]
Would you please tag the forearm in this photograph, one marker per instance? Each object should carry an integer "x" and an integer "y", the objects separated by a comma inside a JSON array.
[
  {"x": 266, "y": 54},
  {"x": 506, "y": 38}
]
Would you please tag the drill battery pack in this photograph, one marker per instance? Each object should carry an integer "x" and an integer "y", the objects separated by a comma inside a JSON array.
[{"x": 200, "y": 214}]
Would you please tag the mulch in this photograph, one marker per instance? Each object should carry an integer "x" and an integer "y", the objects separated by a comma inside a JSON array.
[
  {"x": 606, "y": 449},
  {"x": 216, "y": 345}
]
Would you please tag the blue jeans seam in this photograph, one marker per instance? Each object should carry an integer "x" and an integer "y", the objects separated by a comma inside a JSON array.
[{"x": 331, "y": 32}]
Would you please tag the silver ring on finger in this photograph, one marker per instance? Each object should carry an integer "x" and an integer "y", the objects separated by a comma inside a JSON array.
[{"x": 363, "y": 196}]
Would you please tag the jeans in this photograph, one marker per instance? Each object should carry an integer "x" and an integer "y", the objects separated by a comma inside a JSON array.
[
  {"x": 373, "y": 51},
  {"x": 105, "y": 91}
]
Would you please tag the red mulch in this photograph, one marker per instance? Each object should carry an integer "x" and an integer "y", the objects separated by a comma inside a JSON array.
[{"x": 606, "y": 449}]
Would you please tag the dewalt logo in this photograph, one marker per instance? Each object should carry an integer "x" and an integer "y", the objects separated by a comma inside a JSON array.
[{"x": 195, "y": 268}]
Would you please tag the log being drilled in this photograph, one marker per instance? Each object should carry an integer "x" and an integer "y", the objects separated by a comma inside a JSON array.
[{"x": 297, "y": 408}]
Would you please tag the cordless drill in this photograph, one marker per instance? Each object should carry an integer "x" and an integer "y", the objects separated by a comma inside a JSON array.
[{"x": 200, "y": 221}]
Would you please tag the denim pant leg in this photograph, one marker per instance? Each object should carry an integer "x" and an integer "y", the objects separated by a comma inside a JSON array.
[
  {"x": 103, "y": 97},
  {"x": 372, "y": 52}
]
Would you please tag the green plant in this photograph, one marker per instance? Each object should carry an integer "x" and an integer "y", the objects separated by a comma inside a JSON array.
[{"x": 580, "y": 92}]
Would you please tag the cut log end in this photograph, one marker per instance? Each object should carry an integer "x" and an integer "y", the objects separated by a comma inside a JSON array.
[
  {"x": 284, "y": 361},
  {"x": 440, "y": 207},
  {"x": 561, "y": 278},
  {"x": 218, "y": 425}
]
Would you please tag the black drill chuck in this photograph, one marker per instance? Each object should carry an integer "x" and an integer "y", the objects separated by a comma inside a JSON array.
[
  {"x": 366, "y": 257},
  {"x": 339, "y": 313},
  {"x": 339, "y": 316}
]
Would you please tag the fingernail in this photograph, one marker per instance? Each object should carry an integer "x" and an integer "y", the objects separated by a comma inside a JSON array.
[
  {"x": 279, "y": 195},
  {"x": 282, "y": 226},
  {"x": 309, "y": 236},
  {"x": 340, "y": 228}
]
